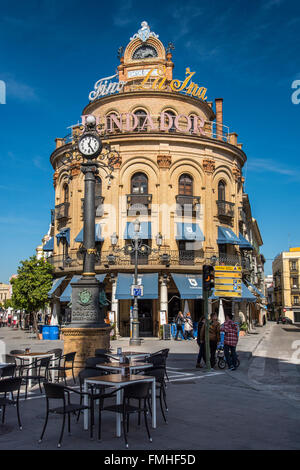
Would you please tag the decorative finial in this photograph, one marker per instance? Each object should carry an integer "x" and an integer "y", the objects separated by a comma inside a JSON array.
[
  {"x": 170, "y": 47},
  {"x": 120, "y": 52},
  {"x": 144, "y": 33}
]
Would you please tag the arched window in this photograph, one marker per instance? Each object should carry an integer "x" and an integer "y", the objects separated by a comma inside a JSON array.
[
  {"x": 66, "y": 192},
  {"x": 185, "y": 185},
  {"x": 171, "y": 113},
  {"x": 221, "y": 190},
  {"x": 111, "y": 125},
  {"x": 139, "y": 184},
  {"x": 141, "y": 115}
]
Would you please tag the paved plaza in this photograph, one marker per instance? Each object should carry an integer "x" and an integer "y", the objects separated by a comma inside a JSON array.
[{"x": 216, "y": 410}]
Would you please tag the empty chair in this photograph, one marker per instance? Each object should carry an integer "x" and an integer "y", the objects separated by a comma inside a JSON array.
[
  {"x": 8, "y": 386},
  {"x": 62, "y": 393},
  {"x": 65, "y": 363},
  {"x": 8, "y": 371},
  {"x": 137, "y": 391},
  {"x": 95, "y": 392},
  {"x": 37, "y": 371},
  {"x": 91, "y": 362},
  {"x": 159, "y": 374},
  {"x": 18, "y": 361}
]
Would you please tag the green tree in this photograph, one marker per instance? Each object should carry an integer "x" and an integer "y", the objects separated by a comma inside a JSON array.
[
  {"x": 31, "y": 287},
  {"x": 8, "y": 303}
]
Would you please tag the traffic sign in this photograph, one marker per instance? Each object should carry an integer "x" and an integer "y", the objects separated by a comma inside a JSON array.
[
  {"x": 231, "y": 275},
  {"x": 227, "y": 294},
  {"x": 137, "y": 291},
  {"x": 229, "y": 287},
  {"x": 228, "y": 268},
  {"x": 228, "y": 280}
]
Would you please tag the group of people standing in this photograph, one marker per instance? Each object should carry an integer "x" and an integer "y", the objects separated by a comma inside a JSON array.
[
  {"x": 184, "y": 325},
  {"x": 229, "y": 332}
]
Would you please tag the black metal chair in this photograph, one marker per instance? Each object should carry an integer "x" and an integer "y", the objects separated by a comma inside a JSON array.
[
  {"x": 17, "y": 360},
  {"x": 138, "y": 391},
  {"x": 10, "y": 385},
  {"x": 8, "y": 371},
  {"x": 92, "y": 362},
  {"x": 159, "y": 374},
  {"x": 159, "y": 359},
  {"x": 95, "y": 392},
  {"x": 63, "y": 366},
  {"x": 39, "y": 369},
  {"x": 61, "y": 392}
]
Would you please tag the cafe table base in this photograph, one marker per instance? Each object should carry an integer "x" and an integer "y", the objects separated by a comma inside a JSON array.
[{"x": 118, "y": 380}]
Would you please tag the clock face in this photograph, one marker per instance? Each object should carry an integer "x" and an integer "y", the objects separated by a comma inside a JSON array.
[{"x": 89, "y": 145}]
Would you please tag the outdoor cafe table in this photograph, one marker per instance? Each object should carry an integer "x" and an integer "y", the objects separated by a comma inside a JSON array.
[
  {"x": 118, "y": 380},
  {"x": 117, "y": 366},
  {"x": 135, "y": 355},
  {"x": 30, "y": 357}
]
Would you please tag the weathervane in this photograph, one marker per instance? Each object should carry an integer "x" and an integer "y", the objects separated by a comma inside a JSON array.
[{"x": 170, "y": 47}]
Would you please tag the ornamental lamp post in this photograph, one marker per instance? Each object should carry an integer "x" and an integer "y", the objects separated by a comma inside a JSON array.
[
  {"x": 135, "y": 314},
  {"x": 86, "y": 311}
]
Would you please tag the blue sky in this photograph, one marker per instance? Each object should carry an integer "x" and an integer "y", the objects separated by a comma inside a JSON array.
[{"x": 52, "y": 52}]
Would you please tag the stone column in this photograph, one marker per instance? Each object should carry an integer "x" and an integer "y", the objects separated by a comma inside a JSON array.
[
  {"x": 209, "y": 168},
  {"x": 164, "y": 295},
  {"x": 115, "y": 304}
]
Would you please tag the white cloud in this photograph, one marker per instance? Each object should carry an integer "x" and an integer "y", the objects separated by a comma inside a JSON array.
[
  {"x": 262, "y": 165},
  {"x": 18, "y": 90}
]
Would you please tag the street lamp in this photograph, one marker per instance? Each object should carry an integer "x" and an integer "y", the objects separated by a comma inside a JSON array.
[{"x": 136, "y": 247}]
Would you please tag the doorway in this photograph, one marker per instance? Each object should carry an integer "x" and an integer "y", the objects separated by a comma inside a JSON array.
[{"x": 145, "y": 317}]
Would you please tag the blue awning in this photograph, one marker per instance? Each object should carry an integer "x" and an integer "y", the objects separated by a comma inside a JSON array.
[
  {"x": 189, "y": 285},
  {"x": 63, "y": 234},
  {"x": 244, "y": 243},
  {"x": 144, "y": 233},
  {"x": 67, "y": 293},
  {"x": 227, "y": 236},
  {"x": 98, "y": 236},
  {"x": 256, "y": 290},
  {"x": 55, "y": 284},
  {"x": 189, "y": 231},
  {"x": 125, "y": 281},
  {"x": 49, "y": 246}
]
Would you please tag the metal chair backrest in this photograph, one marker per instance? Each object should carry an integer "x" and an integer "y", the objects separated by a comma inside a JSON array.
[
  {"x": 55, "y": 391},
  {"x": 100, "y": 351},
  {"x": 106, "y": 357},
  {"x": 86, "y": 373},
  {"x": 44, "y": 362},
  {"x": 8, "y": 371},
  {"x": 57, "y": 352},
  {"x": 138, "y": 390},
  {"x": 157, "y": 359},
  {"x": 11, "y": 384},
  {"x": 158, "y": 373},
  {"x": 69, "y": 357},
  {"x": 17, "y": 351},
  {"x": 93, "y": 361}
]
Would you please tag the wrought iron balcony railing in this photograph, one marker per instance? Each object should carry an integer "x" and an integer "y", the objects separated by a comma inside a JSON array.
[
  {"x": 187, "y": 204},
  {"x": 62, "y": 211},
  {"x": 163, "y": 258},
  {"x": 225, "y": 208}
]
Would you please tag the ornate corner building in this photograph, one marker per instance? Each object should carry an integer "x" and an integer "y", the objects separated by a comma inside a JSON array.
[{"x": 180, "y": 174}]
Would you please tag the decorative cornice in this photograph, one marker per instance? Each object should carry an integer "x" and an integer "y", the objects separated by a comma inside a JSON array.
[
  {"x": 55, "y": 176},
  {"x": 209, "y": 165},
  {"x": 236, "y": 173},
  {"x": 164, "y": 161},
  {"x": 75, "y": 169}
]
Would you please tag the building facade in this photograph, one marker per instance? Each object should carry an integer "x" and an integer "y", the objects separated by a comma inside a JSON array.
[
  {"x": 5, "y": 292},
  {"x": 287, "y": 284},
  {"x": 179, "y": 174}
]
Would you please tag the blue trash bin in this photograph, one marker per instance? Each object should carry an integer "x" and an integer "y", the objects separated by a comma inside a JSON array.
[
  {"x": 54, "y": 332},
  {"x": 46, "y": 332}
]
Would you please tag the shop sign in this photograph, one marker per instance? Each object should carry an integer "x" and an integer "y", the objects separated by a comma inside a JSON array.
[
  {"x": 105, "y": 86},
  {"x": 129, "y": 122}
]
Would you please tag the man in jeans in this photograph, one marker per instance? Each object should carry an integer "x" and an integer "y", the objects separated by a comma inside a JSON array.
[
  {"x": 230, "y": 341},
  {"x": 179, "y": 324}
]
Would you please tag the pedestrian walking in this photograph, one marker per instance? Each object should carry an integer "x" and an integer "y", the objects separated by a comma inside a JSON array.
[
  {"x": 200, "y": 343},
  {"x": 1, "y": 319},
  {"x": 230, "y": 341},
  {"x": 188, "y": 327},
  {"x": 179, "y": 324},
  {"x": 214, "y": 338}
]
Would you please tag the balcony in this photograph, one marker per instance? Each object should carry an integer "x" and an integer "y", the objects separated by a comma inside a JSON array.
[
  {"x": 62, "y": 211},
  {"x": 295, "y": 289},
  {"x": 294, "y": 267},
  {"x": 187, "y": 204},
  {"x": 99, "y": 209},
  {"x": 225, "y": 209},
  {"x": 138, "y": 203}
]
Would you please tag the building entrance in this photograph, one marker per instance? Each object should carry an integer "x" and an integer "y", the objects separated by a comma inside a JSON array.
[{"x": 145, "y": 317}]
